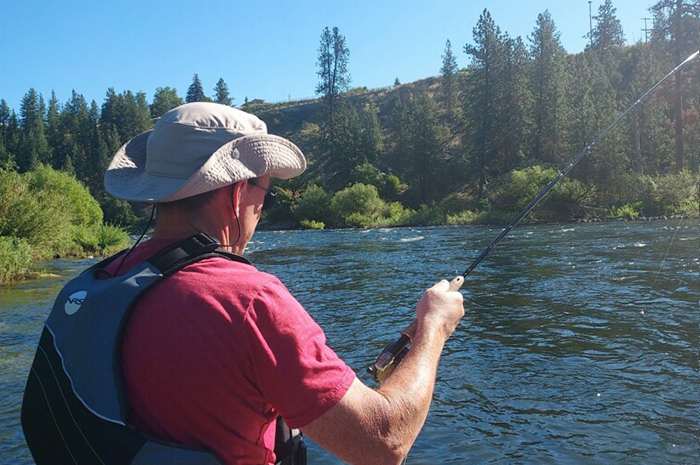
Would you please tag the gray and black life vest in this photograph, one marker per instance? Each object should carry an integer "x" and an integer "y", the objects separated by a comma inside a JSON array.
[{"x": 75, "y": 408}]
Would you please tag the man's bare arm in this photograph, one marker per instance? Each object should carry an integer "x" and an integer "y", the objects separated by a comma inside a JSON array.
[{"x": 379, "y": 427}]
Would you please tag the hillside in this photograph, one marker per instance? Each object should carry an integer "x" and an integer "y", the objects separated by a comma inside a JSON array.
[{"x": 286, "y": 119}]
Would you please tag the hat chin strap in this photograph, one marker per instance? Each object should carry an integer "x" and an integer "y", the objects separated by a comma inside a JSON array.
[
  {"x": 123, "y": 259},
  {"x": 238, "y": 223}
]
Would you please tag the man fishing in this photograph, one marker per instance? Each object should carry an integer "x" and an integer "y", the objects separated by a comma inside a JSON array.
[{"x": 180, "y": 351}]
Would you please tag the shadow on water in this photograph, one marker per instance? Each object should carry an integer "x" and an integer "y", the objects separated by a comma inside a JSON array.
[{"x": 579, "y": 344}]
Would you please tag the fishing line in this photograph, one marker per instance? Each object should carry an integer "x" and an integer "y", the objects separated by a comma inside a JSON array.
[
  {"x": 153, "y": 212},
  {"x": 667, "y": 251},
  {"x": 394, "y": 352}
]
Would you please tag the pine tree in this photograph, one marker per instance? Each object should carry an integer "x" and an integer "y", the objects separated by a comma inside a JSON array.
[
  {"x": 678, "y": 22},
  {"x": 372, "y": 140},
  {"x": 34, "y": 147},
  {"x": 428, "y": 151},
  {"x": 450, "y": 86},
  {"x": 547, "y": 84},
  {"x": 607, "y": 32},
  {"x": 334, "y": 78},
  {"x": 483, "y": 97},
  {"x": 221, "y": 94},
  {"x": 76, "y": 126},
  {"x": 397, "y": 137},
  {"x": 12, "y": 134},
  {"x": 5, "y": 118},
  {"x": 164, "y": 99},
  {"x": 195, "y": 93},
  {"x": 53, "y": 129},
  {"x": 345, "y": 149},
  {"x": 517, "y": 104},
  {"x": 128, "y": 112}
]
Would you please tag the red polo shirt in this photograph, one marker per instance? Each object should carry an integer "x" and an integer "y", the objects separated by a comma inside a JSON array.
[{"x": 214, "y": 352}]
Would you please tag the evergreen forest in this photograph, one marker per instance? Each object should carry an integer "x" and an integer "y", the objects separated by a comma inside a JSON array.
[{"x": 469, "y": 145}]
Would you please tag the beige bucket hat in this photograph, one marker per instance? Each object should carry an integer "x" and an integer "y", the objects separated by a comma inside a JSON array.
[{"x": 196, "y": 148}]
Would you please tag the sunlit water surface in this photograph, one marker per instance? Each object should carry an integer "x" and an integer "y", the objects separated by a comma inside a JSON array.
[{"x": 580, "y": 343}]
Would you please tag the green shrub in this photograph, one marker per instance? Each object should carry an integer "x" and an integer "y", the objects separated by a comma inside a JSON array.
[
  {"x": 678, "y": 193},
  {"x": 627, "y": 211},
  {"x": 358, "y": 200},
  {"x": 458, "y": 203},
  {"x": 516, "y": 189},
  {"x": 358, "y": 220},
  {"x": 86, "y": 240},
  {"x": 398, "y": 215},
  {"x": 670, "y": 194},
  {"x": 367, "y": 173},
  {"x": 53, "y": 212},
  {"x": 313, "y": 205},
  {"x": 311, "y": 224},
  {"x": 430, "y": 215},
  {"x": 464, "y": 217},
  {"x": 73, "y": 197},
  {"x": 39, "y": 217},
  {"x": 392, "y": 188},
  {"x": 388, "y": 185},
  {"x": 15, "y": 258},
  {"x": 111, "y": 237}
]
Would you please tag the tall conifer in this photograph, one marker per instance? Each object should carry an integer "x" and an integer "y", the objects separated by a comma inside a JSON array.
[
  {"x": 547, "y": 83},
  {"x": 607, "y": 32},
  {"x": 334, "y": 77},
  {"x": 195, "y": 92},
  {"x": 450, "y": 86},
  {"x": 483, "y": 96},
  {"x": 221, "y": 93}
]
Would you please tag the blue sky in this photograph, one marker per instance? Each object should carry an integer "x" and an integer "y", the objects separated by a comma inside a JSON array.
[{"x": 264, "y": 49}]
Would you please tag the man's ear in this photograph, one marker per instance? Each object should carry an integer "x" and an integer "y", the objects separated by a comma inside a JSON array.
[{"x": 236, "y": 193}]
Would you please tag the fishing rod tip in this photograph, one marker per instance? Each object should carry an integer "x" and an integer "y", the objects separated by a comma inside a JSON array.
[{"x": 692, "y": 57}]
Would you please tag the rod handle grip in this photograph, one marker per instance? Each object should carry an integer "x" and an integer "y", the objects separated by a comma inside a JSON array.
[{"x": 389, "y": 354}]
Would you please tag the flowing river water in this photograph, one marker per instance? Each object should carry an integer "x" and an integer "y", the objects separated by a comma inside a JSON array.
[{"x": 580, "y": 343}]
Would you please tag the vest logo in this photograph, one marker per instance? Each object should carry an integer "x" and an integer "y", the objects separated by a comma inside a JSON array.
[{"x": 74, "y": 302}]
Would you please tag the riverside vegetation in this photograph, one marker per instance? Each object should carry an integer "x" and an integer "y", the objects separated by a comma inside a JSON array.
[
  {"x": 46, "y": 213},
  {"x": 471, "y": 145}
]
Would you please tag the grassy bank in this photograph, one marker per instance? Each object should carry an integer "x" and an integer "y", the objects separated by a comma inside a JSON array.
[
  {"x": 46, "y": 213},
  {"x": 372, "y": 203}
]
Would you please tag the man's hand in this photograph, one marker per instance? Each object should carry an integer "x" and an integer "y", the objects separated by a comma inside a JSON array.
[{"x": 440, "y": 309}]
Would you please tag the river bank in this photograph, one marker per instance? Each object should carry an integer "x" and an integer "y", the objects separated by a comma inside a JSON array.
[{"x": 35, "y": 271}]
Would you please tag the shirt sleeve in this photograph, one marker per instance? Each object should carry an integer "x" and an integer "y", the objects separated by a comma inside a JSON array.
[{"x": 297, "y": 373}]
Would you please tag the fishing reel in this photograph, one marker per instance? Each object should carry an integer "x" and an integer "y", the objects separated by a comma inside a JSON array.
[
  {"x": 389, "y": 358},
  {"x": 396, "y": 350}
]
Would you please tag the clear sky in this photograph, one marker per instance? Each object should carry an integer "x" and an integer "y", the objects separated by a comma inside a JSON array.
[{"x": 263, "y": 49}]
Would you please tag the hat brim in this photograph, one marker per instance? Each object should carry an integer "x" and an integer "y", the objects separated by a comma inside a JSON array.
[{"x": 245, "y": 157}]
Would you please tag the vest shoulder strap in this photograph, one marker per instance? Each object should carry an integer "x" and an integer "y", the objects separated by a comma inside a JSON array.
[
  {"x": 193, "y": 249},
  {"x": 177, "y": 256}
]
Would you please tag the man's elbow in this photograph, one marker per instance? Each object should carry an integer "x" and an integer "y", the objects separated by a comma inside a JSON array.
[{"x": 383, "y": 455}]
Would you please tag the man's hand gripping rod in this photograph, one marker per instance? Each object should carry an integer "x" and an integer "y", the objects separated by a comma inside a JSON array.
[{"x": 394, "y": 352}]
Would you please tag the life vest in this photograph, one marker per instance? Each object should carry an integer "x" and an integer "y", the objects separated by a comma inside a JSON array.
[{"x": 75, "y": 408}]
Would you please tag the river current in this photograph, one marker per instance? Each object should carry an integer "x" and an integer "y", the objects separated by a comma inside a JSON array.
[{"x": 579, "y": 346}]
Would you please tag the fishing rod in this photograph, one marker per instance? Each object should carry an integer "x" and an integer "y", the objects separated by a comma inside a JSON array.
[{"x": 394, "y": 352}]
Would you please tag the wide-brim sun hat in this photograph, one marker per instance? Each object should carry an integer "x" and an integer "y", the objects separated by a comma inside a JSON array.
[{"x": 196, "y": 148}]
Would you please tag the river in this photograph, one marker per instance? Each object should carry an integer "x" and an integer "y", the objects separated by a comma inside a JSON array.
[{"x": 580, "y": 343}]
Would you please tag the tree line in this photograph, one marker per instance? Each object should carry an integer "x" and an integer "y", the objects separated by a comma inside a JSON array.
[
  {"x": 445, "y": 152},
  {"x": 521, "y": 107}
]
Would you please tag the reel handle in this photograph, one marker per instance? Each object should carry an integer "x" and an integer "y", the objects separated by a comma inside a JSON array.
[{"x": 398, "y": 348}]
